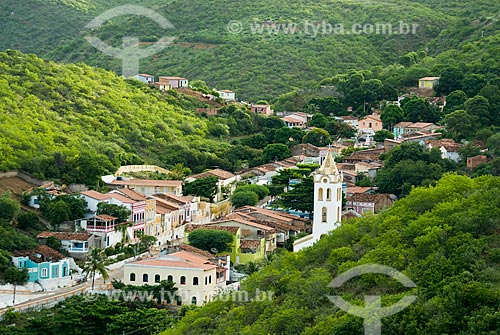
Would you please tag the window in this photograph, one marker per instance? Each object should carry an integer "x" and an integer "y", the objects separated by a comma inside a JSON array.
[
  {"x": 206, "y": 280},
  {"x": 323, "y": 214},
  {"x": 157, "y": 278},
  {"x": 170, "y": 278},
  {"x": 44, "y": 273},
  {"x": 338, "y": 214},
  {"x": 320, "y": 194},
  {"x": 183, "y": 280},
  {"x": 210, "y": 279},
  {"x": 55, "y": 271},
  {"x": 193, "y": 300},
  {"x": 195, "y": 280},
  {"x": 145, "y": 278},
  {"x": 132, "y": 276},
  {"x": 328, "y": 194}
]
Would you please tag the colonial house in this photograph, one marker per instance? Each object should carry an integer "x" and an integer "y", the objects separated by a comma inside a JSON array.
[
  {"x": 196, "y": 277},
  {"x": 428, "y": 82},
  {"x": 93, "y": 198},
  {"x": 370, "y": 124},
  {"x": 227, "y": 95},
  {"x": 194, "y": 210},
  {"x": 47, "y": 266},
  {"x": 297, "y": 119},
  {"x": 145, "y": 78},
  {"x": 168, "y": 227},
  {"x": 349, "y": 119},
  {"x": 448, "y": 148},
  {"x": 77, "y": 245},
  {"x": 226, "y": 181},
  {"x": 149, "y": 187},
  {"x": 173, "y": 82},
  {"x": 406, "y": 129},
  {"x": 371, "y": 203},
  {"x": 262, "y": 109},
  {"x": 106, "y": 228}
]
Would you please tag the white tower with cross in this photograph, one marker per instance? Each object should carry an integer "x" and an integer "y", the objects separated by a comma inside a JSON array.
[{"x": 327, "y": 214}]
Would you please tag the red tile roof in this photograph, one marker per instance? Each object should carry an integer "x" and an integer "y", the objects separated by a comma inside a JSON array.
[
  {"x": 147, "y": 182},
  {"x": 249, "y": 244},
  {"x": 41, "y": 254},
  {"x": 81, "y": 236},
  {"x": 95, "y": 195},
  {"x": 219, "y": 173}
]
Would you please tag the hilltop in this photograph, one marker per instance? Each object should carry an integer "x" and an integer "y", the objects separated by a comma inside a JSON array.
[{"x": 256, "y": 66}]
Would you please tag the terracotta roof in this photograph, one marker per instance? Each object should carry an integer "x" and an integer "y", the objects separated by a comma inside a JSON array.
[
  {"x": 81, "y": 236},
  {"x": 176, "y": 198},
  {"x": 365, "y": 197},
  {"x": 180, "y": 259},
  {"x": 429, "y": 78},
  {"x": 165, "y": 203},
  {"x": 420, "y": 125},
  {"x": 105, "y": 217},
  {"x": 292, "y": 119},
  {"x": 41, "y": 254},
  {"x": 373, "y": 117},
  {"x": 447, "y": 143},
  {"x": 225, "y": 91},
  {"x": 147, "y": 182},
  {"x": 132, "y": 194},
  {"x": 190, "y": 248},
  {"x": 219, "y": 173},
  {"x": 121, "y": 198},
  {"x": 402, "y": 124},
  {"x": 357, "y": 189},
  {"x": 95, "y": 195},
  {"x": 170, "y": 78},
  {"x": 249, "y": 244},
  {"x": 192, "y": 227},
  {"x": 145, "y": 75},
  {"x": 234, "y": 217}
]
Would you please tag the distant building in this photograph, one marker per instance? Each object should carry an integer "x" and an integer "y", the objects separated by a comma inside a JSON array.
[
  {"x": 145, "y": 78},
  {"x": 173, "y": 82},
  {"x": 371, "y": 203},
  {"x": 428, "y": 82},
  {"x": 473, "y": 162},
  {"x": 370, "y": 124},
  {"x": 77, "y": 245},
  {"x": 262, "y": 109},
  {"x": 227, "y": 95},
  {"x": 148, "y": 186}
]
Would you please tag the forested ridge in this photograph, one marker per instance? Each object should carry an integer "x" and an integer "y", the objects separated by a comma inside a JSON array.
[
  {"x": 256, "y": 66},
  {"x": 445, "y": 238}
]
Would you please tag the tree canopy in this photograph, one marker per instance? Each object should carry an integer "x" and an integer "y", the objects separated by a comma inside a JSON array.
[{"x": 208, "y": 239}]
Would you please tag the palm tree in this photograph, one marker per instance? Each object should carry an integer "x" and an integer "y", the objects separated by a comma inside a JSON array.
[{"x": 95, "y": 263}]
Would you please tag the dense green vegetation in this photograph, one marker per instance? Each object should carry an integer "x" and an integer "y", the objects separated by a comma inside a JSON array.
[
  {"x": 257, "y": 66},
  {"x": 444, "y": 238}
]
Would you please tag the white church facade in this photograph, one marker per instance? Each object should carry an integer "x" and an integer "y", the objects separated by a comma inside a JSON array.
[{"x": 327, "y": 215}]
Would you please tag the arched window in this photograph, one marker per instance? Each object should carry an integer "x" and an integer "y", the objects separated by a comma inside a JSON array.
[
  {"x": 320, "y": 194},
  {"x": 183, "y": 280},
  {"x": 193, "y": 300},
  {"x": 145, "y": 278},
  {"x": 195, "y": 280},
  {"x": 339, "y": 196},
  {"x": 157, "y": 278},
  {"x": 328, "y": 194},
  {"x": 338, "y": 214},
  {"x": 210, "y": 279},
  {"x": 132, "y": 276},
  {"x": 206, "y": 280},
  {"x": 170, "y": 278},
  {"x": 323, "y": 214}
]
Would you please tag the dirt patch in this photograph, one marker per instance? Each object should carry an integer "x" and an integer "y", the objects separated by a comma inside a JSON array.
[{"x": 14, "y": 184}]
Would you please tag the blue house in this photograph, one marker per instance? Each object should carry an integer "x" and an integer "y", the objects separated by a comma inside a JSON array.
[{"x": 46, "y": 266}]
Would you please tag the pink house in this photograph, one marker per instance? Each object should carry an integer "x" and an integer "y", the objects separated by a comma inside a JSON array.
[
  {"x": 370, "y": 123},
  {"x": 262, "y": 109}
]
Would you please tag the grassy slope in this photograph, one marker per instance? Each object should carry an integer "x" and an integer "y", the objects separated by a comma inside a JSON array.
[
  {"x": 47, "y": 107},
  {"x": 255, "y": 66}
]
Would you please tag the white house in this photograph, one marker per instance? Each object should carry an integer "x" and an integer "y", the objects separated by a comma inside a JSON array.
[
  {"x": 227, "y": 95},
  {"x": 145, "y": 78},
  {"x": 327, "y": 203},
  {"x": 78, "y": 244},
  {"x": 196, "y": 277},
  {"x": 174, "y": 82},
  {"x": 93, "y": 198}
]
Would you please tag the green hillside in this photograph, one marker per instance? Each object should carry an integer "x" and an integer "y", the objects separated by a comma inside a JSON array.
[
  {"x": 445, "y": 238},
  {"x": 60, "y": 120},
  {"x": 254, "y": 65}
]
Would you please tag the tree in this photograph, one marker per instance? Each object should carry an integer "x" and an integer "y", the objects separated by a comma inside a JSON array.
[
  {"x": 95, "y": 263},
  {"x": 472, "y": 84},
  {"x": 300, "y": 197},
  {"x": 58, "y": 212},
  {"x": 8, "y": 207},
  {"x": 455, "y": 100},
  {"x": 209, "y": 239},
  {"x": 28, "y": 220},
  {"x": 118, "y": 211},
  {"x": 318, "y": 120},
  {"x": 261, "y": 190},
  {"x": 288, "y": 136},
  {"x": 450, "y": 80},
  {"x": 318, "y": 137},
  {"x": 381, "y": 135},
  {"x": 479, "y": 107},
  {"x": 146, "y": 241},
  {"x": 275, "y": 152},
  {"x": 418, "y": 110},
  {"x": 16, "y": 277},
  {"x": 179, "y": 172},
  {"x": 203, "y": 187},
  {"x": 256, "y": 141},
  {"x": 460, "y": 124},
  {"x": 54, "y": 243},
  {"x": 244, "y": 198},
  {"x": 327, "y": 106},
  {"x": 391, "y": 115}
]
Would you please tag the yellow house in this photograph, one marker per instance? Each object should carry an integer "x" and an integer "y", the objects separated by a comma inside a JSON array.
[{"x": 428, "y": 82}]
